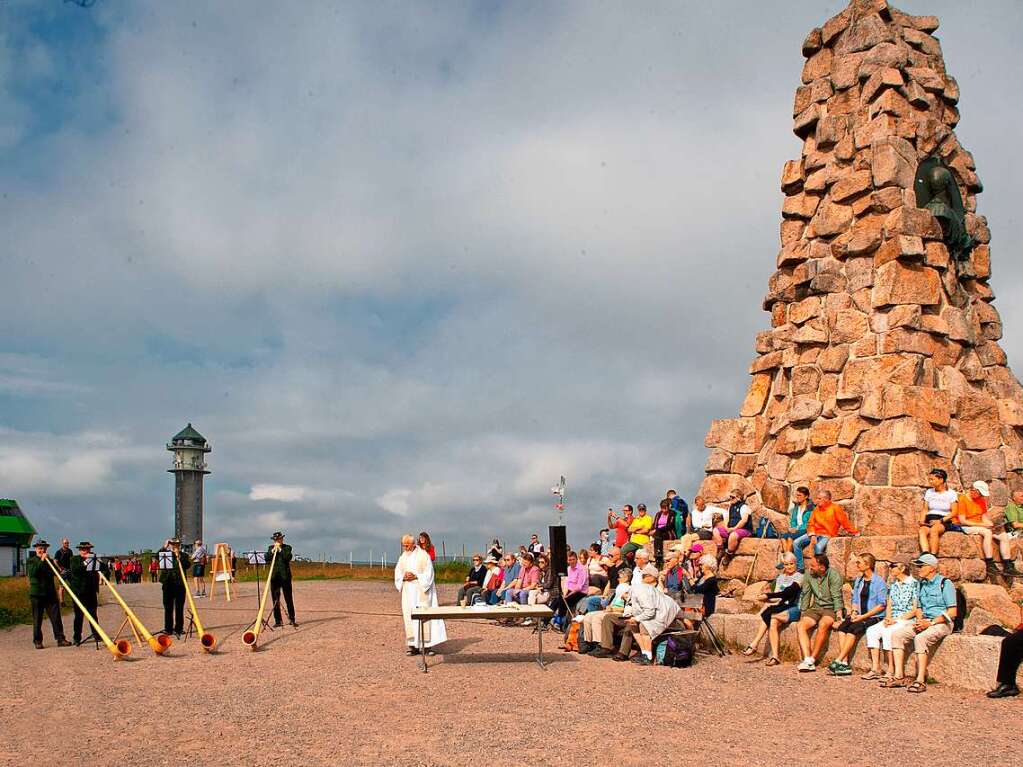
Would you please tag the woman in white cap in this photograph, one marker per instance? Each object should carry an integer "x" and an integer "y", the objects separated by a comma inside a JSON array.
[{"x": 971, "y": 514}]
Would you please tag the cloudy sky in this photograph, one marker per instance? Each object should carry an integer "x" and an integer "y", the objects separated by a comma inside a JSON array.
[{"x": 404, "y": 264}]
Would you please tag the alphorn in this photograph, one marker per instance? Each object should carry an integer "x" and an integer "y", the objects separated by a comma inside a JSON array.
[
  {"x": 119, "y": 649},
  {"x": 159, "y": 644},
  {"x": 206, "y": 640},
  {"x": 252, "y": 635}
]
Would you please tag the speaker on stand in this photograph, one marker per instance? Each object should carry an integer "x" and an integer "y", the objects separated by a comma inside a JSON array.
[{"x": 559, "y": 549}]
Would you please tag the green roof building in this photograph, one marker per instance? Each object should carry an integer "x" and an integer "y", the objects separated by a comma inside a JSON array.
[{"x": 15, "y": 537}]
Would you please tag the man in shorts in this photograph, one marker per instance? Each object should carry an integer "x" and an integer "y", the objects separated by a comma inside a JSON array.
[
  {"x": 199, "y": 557},
  {"x": 820, "y": 605}
]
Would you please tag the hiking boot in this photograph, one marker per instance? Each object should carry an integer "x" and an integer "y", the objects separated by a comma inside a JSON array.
[
  {"x": 619, "y": 657},
  {"x": 585, "y": 648},
  {"x": 842, "y": 669},
  {"x": 1009, "y": 568},
  {"x": 642, "y": 660},
  {"x": 601, "y": 652},
  {"x": 62, "y": 642}
]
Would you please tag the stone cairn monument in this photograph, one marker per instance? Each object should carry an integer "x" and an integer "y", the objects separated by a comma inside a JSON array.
[{"x": 882, "y": 360}]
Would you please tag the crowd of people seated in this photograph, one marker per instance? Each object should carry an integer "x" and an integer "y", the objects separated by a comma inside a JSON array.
[{"x": 620, "y": 600}]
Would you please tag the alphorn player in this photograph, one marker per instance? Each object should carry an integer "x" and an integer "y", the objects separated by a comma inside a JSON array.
[
  {"x": 85, "y": 584},
  {"x": 280, "y": 578},
  {"x": 42, "y": 592},
  {"x": 174, "y": 590}
]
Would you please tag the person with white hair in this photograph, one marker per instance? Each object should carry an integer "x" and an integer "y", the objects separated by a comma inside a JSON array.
[
  {"x": 787, "y": 586},
  {"x": 971, "y": 514},
  {"x": 413, "y": 577},
  {"x": 649, "y": 612},
  {"x": 642, "y": 560}
]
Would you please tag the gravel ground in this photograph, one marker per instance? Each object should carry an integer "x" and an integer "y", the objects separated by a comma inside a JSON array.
[{"x": 339, "y": 690}]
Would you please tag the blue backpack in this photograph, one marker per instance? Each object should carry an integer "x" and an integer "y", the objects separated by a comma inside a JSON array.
[{"x": 765, "y": 529}]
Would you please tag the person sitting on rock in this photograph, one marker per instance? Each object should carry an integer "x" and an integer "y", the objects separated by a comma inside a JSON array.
[
  {"x": 1009, "y": 658},
  {"x": 639, "y": 532},
  {"x": 799, "y": 517},
  {"x": 820, "y": 605},
  {"x": 826, "y": 521},
  {"x": 740, "y": 525},
  {"x": 707, "y": 586},
  {"x": 972, "y": 515},
  {"x": 936, "y": 512},
  {"x": 702, "y": 520},
  {"x": 900, "y": 610},
  {"x": 787, "y": 587},
  {"x": 937, "y": 612},
  {"x": 663, "y": 530},
  {"x": 648, "y": 614},
  {"x": 1013, "y": 530},
  {"x": 869, "y": 597}
]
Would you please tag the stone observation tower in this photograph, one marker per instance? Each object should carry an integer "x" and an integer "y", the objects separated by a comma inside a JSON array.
[
  {"x": 882, "y": 360},
  {"x": 189, "y": 448}
]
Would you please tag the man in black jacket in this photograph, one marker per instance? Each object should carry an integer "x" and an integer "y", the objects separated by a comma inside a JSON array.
[
  {"x": 85, "y": 585},
  {"x": 42, "y": 592},
  {"x": 280, "y": 577},
  {"x": 174, "y": 589}
]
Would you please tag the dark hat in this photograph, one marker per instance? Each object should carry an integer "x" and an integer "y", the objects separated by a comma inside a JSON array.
[
  {"x": 278, "y": 536},
  {"x": 39, "y": 543},
  {"x": 84, "y": 545},
  {"x": 174, "y": 541}
]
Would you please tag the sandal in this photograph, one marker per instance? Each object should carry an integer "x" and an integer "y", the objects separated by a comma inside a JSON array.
[
  {"x": 893, "y": 682},
  {"x": 749, "y": 650},
  {"x": 871, "y": 675},
  {"x": 772, "y": 662},
  {"x": 917, "y": 687}
]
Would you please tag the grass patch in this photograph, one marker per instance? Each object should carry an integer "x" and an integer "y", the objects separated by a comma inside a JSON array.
[
  {"x": 15, "y": 607},
  {"x": 449, "y": 572}
]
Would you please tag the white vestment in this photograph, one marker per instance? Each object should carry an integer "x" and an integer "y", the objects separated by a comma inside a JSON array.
[{"x": 418, "y": 593}]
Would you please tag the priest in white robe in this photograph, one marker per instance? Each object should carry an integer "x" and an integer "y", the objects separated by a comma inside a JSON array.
[{"x": 413, "y": 577}]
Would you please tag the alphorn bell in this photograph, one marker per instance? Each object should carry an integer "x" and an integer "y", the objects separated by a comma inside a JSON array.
[
  {"x": 119, "y": 649},
  {"x": 159, "y": 644},
  {"x": 206, "y": 640},
  {"x": 250, "y": 636}
]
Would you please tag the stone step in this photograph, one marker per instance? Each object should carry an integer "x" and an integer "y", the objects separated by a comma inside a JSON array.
[{"x": 966, "y": 661}]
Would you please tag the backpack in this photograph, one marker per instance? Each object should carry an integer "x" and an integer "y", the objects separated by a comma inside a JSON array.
[
  {"x": 765, "y": 529},
  {"x": 678, "y": 651},
  {"x": 572, "y": 640},
  {"x": 957, "y": 622}
]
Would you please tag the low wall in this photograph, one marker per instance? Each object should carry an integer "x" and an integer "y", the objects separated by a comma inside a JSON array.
[{"x": 969, "y": 662}]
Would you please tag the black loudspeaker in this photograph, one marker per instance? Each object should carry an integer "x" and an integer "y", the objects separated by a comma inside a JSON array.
[{"x": 559, "y": 549}]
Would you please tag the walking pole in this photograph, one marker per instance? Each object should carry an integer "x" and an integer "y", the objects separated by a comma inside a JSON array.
[{"x": 756, "y": 554}]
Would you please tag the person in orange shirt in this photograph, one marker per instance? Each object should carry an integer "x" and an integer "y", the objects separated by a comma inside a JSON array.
[
  {"x": 826, "y": 521},
  {"x": 970, "y": 512}
]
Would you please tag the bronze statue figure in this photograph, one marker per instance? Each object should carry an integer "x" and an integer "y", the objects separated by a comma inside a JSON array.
[{"x": 937, "y": 191}]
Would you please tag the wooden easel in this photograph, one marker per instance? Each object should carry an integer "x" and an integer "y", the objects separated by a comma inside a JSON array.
[
  {"x": 127, "y": 622},
  {"x": 222, "y": 568}
]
